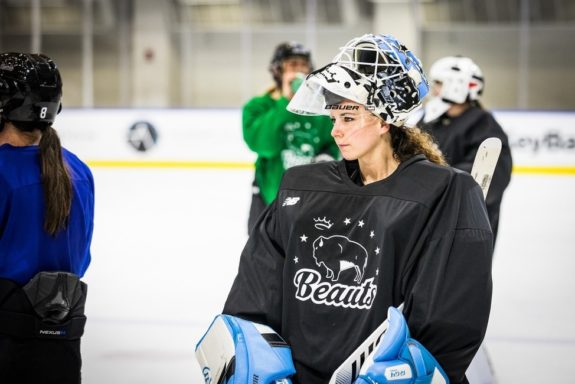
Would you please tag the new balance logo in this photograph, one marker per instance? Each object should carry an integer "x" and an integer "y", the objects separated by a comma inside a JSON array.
[{"x": 290, "y": 201}]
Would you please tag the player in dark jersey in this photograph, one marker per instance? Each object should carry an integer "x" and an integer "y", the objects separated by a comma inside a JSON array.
[
  {"x": 456, "y": 119},
  {"x": 389, "y": 224},
  {"x": 46, "y": 221}
]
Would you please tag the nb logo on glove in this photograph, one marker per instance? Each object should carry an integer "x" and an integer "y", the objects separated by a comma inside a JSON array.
[{"x": 402, "y": 371}]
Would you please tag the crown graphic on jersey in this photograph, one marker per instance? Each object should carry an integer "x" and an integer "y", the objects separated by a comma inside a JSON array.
[{"x": 322, "y": 224}]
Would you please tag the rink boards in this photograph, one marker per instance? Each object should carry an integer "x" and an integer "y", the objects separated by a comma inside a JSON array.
[{"x": 541, "y": 142}]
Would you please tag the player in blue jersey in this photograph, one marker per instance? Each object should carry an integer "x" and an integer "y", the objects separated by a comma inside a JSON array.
[{"x": 46, "y": 223}]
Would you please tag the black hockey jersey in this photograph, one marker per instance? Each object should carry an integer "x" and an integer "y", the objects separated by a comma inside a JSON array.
[
  {"x": 459, "y": 138},
  {"x": 329, "y": 257}
]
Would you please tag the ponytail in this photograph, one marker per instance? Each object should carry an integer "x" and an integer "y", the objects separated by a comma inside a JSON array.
[
  {"x": 56, "y": 182},
  {"x": 408, "y": 142}
]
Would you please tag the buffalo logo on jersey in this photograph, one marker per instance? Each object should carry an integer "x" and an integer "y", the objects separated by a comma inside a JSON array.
[
  {"x": 338, "y": 253},
  {"x": 340, "y": 266}
]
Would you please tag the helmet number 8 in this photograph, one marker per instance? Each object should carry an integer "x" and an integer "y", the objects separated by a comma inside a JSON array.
[{"x": 43, "y": 112}]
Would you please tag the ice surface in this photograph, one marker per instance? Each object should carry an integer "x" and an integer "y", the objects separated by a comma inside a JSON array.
[{"x": 167, "y": 243}]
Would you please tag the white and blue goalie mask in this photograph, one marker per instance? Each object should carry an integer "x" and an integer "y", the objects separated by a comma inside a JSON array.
[{"x": 376, "y": 71}]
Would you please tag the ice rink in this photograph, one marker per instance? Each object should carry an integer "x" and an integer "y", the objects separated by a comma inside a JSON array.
[{"x": 167, "y": 243}]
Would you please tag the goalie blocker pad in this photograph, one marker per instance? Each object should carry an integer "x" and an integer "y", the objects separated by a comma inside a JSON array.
[{"x": 236, "y": 351}]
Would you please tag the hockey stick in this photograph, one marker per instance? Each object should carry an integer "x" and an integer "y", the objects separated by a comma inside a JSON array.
[
  {"x": 485, "y": 162},
  {"x": 482, "y": 171}
]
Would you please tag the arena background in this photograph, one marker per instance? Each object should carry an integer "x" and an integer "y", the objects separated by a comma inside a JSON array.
[{"x": 152, "y": 98}]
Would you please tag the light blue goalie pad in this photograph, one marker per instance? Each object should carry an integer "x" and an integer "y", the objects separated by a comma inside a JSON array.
[
  {"x": 236, "y": 351},
  {"x": 400, "y": 359}
]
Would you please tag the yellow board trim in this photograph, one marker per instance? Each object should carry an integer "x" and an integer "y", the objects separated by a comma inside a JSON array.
[
  {"x": 541, "y": 170},
  {"x": 533, "y": 170},
  {"x": 169, "y": 164}
]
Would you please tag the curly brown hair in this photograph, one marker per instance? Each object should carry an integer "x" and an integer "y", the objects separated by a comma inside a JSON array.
[{"x": 408, "y": 142}]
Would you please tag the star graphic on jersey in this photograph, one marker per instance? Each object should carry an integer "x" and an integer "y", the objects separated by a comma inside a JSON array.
[
  {"x": 361, "y": 224},
  {"x": 377, "y": 251},
  {"x": 295, "y": 259},
  {"x": 303, "y": 238},
  {"x": 371, "y": 234},
  {"x": 347, "y": 221}
]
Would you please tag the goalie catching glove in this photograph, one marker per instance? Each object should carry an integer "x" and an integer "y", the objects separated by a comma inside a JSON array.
[
  {"x": 236, "y": 351},
  {"x": 400, "y": 359}
]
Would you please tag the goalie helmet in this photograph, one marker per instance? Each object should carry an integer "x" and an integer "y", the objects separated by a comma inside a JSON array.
[
  {"x": 373, "y": 70},
  {"x": 461, "y": 79},
  {"x": 30, "y": 88}
]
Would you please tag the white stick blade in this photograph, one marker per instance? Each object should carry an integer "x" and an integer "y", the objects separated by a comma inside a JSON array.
[{"x": 485, "y": 162}]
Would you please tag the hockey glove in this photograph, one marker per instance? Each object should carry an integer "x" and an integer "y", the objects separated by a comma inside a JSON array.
[
  {"x": 236, "y": 351},
  {"x": 400, "y": 359}
]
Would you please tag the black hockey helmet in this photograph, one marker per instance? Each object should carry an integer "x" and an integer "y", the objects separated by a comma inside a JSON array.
[
  {"x": 30, "y": 88},
  {"x": 284, "y": 51}
]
